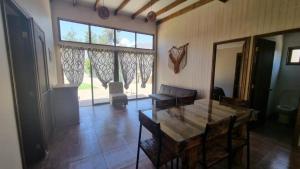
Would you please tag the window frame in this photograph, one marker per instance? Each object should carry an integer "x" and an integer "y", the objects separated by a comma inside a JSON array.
[
  {"x": 115, "y": 29},
  {"x": 289, "y": 55},
  {"x": 144, "y": 34},
  {"x": 125, "y": 31},
  {"x": 90, "y": 33},
  {"x": 59, "y": 31}
]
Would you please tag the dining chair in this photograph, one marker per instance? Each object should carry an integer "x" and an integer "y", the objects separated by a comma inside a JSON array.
[
  {"x": 153, "y": 147},
  {"x": 241, "y": 139},
  {"x": 233, "y": 102},
  {"x": 216, "y": 143}
]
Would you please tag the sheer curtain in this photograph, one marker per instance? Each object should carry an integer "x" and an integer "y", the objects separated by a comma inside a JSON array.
[
  {"x": 145, "y": 66},
  {"x": 103, "y": 63},
  {"x": 72, "y": 59},
  {"x": 128, "y": 66}
]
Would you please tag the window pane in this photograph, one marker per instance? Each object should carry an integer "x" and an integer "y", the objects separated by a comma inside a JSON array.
[
  {"x": 75, "y": 32},
  {"x": 100, "y": 35},
  {"x": 295, "y": 58},
  {"x": 125, "y": 39},
  {"x": 144, "y": 41}
]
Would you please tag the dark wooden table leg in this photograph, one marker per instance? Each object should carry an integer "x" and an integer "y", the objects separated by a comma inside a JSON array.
[
  {"x": 239, "y": 155},
  {"x": 189, "y": 158}
]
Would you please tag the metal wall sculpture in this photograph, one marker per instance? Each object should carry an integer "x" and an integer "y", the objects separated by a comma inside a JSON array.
[{"x": 178, "y": 58}]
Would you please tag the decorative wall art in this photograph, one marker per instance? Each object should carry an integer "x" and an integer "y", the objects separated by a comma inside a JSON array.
[{"x": 178, "y": 58}]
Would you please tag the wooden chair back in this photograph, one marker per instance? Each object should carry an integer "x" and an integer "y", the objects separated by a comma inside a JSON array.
[
  {"x": 217, "y": 133},
  {"x": 245, "y": 119},
  {"x": 151, "y": 126},
  {"x": 232, "y": 102},
  {"x": 218, "y": 129}
]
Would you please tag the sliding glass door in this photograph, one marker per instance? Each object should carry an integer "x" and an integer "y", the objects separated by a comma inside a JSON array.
[
  {"x": 100, "y": 93},
  {"x": 84, "y": 89},
  {"x": 112, "y": 55},
  {"x": 136, "y": 89}
]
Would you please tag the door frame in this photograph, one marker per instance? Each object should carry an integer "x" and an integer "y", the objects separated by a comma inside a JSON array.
[
  {"x": 252, "y": 70},
  {"x": 237, "y": 73},
  {"x": 254, "y": 54},
  {"x": 247, "y": 40},
  {"x": 21, "y": 11}
]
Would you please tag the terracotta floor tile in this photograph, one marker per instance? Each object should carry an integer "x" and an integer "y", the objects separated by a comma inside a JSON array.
[
  {"x": 107, "y": 138},
  {"x": 119, "y": 158},
  {"x": 90, "y": 162}
]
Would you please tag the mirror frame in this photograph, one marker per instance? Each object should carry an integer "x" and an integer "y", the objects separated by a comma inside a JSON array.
[{"x": 247, "y": 44}]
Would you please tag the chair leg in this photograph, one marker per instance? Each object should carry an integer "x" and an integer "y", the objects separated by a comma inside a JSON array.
[
  {"x": 137, "y": 158},
  {"x": 248, "y": 156},
  {"x": 177, "y": 163},
  {"x": 172, "y": 164},
  {"x": 229, "y": 163},
  {"x": 138, "y": 150},
  {"x": 230, "y": 160},
  {"x": 248, "y": 147}
]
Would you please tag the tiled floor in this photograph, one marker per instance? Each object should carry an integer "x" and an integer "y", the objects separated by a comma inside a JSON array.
[{"x": 107, "y": 138}]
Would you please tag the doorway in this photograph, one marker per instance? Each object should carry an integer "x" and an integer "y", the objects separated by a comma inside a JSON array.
[
  {"x": 25, "y": 42},
  {"x": 275, "y": 84}
]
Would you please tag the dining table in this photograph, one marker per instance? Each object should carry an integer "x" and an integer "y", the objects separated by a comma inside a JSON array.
[{"x": 183, "y": 126}]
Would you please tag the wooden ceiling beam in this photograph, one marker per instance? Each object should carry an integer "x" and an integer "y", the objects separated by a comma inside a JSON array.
[
  {"x": 169, "y": 7},
  {"x": 121, "y": 6},
  {"x": 184, "y": 10},
  {"x": 142, "y": 9},
  {"x": 96, "y": 4}
]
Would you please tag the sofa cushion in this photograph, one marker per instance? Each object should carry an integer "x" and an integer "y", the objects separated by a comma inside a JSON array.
[
  {"x": 162, "y": 97},
  {"x": 176, "y": 91}
]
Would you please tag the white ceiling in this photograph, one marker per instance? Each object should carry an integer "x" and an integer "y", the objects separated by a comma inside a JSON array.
[{"x": 133, "y": 5}]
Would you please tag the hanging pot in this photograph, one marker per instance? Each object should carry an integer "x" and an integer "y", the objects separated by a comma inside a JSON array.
[
  {"x": 151, "y": 16},
  {"x": 103, "y": 12}
]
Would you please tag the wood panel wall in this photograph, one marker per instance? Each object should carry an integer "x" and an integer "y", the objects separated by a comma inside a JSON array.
[{"x": 215, "y": 22}]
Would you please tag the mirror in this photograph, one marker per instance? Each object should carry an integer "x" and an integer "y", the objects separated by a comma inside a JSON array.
[{"x": 231, "y": 69}]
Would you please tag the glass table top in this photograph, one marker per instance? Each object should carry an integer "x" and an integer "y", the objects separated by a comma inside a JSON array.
[{"x": 186, "y": 122}]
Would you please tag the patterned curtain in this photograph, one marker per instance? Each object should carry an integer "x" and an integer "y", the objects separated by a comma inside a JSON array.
[
  {"x": 103, "y": 64},
  {"x": 145, "y": 65},
  {"x": 72, "y": 59},
  {"x": 128, "y": 66}
]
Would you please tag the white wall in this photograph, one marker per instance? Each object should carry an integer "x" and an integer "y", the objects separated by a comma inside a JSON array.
[
  {"x": 288, "y": 86},
  {"x": 213, "y": 22},
  {"x": 9, "y": 145},
  {"x": 65, "y": 10},
  {"x": 225, "y": 69}
]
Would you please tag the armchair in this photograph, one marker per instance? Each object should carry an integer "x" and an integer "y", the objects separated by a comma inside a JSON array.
[{"x": 116, "y": 94}]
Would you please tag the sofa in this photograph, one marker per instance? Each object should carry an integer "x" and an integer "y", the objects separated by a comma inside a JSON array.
[{"x": 169, "y": 96}]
